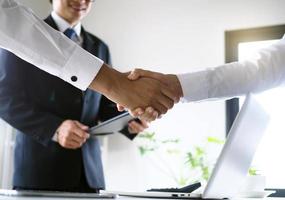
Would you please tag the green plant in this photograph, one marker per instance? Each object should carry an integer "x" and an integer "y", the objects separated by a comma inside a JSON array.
[
  {"x": 197, "y": 159},
  {"x": 253, "y": 172},
  {"x": 152, "y": 143},
  {"x": 194, "y": 160}
]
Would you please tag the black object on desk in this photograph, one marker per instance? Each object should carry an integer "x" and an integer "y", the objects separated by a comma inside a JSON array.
[{"x": 187, "y": 189}]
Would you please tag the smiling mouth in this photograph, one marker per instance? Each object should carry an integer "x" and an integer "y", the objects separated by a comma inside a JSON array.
[{"x": 78, "y": 9}]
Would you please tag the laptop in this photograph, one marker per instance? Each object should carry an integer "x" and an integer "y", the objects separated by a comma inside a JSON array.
[
  {"x": 234, "y": 160},
  {"x": 36, "y": 193}
]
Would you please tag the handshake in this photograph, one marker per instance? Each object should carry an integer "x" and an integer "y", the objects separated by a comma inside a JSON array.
[
  {"x": 145, "y": 94},
  {"x": 164, "y": 92}
]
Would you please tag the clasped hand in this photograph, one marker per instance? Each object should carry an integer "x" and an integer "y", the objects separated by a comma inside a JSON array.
[{"x": 170, "y": 87}]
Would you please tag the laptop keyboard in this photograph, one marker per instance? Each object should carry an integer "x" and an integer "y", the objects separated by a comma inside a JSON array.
[{"x": 187, "y": 189}]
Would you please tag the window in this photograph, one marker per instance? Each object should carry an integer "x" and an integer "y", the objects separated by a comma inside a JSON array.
[{"x": 269, "y": 157}]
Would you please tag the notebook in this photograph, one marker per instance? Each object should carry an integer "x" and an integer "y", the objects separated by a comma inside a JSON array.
[{"x": 234, "y": 160}]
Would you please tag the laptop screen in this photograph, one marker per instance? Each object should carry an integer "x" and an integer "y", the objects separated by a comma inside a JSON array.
[{"x": 236, "y": 156}]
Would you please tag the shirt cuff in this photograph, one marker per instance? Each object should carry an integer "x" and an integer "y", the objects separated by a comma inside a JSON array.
[
  {"x": 81, "y": 69},
  {"x": 55, "y": 137},
  {"x": 194, "y": 86}
]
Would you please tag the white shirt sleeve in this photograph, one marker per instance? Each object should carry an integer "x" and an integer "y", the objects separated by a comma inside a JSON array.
[
  {"x": 31, "y": 39},
  {"x": 264, "y": 71}
]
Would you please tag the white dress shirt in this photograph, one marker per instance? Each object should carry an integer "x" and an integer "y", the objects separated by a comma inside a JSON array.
[
  {"x": 31, "y": 39},
  {"x": 62, "y": 25},
  {"x": 264, "y": 71}
]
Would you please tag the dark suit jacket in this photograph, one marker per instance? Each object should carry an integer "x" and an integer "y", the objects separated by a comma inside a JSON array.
[{"x": 36, "y": 103}]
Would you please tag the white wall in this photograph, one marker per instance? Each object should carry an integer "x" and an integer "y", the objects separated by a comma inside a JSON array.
[{"x": 172, "y": 36}]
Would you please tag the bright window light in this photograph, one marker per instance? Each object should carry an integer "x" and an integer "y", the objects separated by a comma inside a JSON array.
[{"x": 269, "y": 159}]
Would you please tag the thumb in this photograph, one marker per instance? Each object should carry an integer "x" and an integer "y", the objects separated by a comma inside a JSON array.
[
  {"x": 82, "y": 126},
  {"x": 120, "y": 108},
  {"x": 135, "y": 74},
  {"x": 136, "y": 112}
]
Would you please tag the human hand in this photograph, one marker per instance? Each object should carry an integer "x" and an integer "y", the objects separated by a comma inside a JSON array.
[
  {"x": 142, "y": 93},
  {"x": 148, "y": 115},
  {"x": 170, "y": 80},
  {"x": 72, "y": 134},
  {"x": 137, "y": 127}
]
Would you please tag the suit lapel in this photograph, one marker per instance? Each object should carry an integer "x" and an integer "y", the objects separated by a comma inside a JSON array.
[
  {"x": 49, "y": 20},
  {"x": 89, "y": 109},
  {"x": 88, "y": 42}
]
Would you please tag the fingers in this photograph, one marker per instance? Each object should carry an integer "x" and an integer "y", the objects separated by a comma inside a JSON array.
[
  {"x": 161, "y": 103},
  {"x": 171, "y": 94},
  {"x": 136, "y": 112},
  {"x": 173, "y": 90},
  {"x": 69, "y": 140},
  {"x": 149, "y": 115},
  {"x": 72, "y": 134},
  {"x": 141, "y": 93},
  {"x": 136, "y": 127},
  {"x": 137, "y": 73},
  {"x": 120, "y": 108},
  {"x": 80, "y": 133},
  {"x": 82, "y": 126},
  {"x": 160, "y": 108},
  {"x": 167, "y": 90},
  {"x": 166, "y": 101},
  {"x": 71, "y": 145},
  {"x": 144, "y": 124}
]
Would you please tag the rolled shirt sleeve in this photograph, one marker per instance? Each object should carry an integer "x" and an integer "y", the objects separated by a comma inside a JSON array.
[{"x": 31, "y": 39}]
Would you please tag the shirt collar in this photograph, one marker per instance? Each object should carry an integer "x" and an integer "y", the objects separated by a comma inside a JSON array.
[{"x": 62, "y": 24}]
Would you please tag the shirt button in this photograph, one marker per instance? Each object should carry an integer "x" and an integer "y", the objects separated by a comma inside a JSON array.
[{"x": 74, "y": 78}]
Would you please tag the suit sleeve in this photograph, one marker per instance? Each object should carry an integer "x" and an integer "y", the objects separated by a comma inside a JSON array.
[{"x": 16, "y": 108}]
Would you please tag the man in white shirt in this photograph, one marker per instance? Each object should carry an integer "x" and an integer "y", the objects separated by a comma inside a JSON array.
[
  {"x": 27, "y": 36},
  {"x": 264, "y": 71}
]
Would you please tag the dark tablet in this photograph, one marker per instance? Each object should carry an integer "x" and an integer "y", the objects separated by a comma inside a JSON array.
[{"x": 112, "y": 125}]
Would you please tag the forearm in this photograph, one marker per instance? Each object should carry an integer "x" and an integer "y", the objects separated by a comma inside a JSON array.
[
  {"x": 31, "y": 39},
  {"x": 264, "y": 71}
]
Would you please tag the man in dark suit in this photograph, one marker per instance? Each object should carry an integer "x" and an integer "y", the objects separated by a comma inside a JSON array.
[{"x": 53, "y": 149}]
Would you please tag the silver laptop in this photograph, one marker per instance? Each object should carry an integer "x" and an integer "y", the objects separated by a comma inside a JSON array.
[
  {"x": 235, "y": 158},
  {"x": 33, "y": 193}
]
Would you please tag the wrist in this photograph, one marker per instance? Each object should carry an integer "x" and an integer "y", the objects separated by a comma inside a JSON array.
[
  {"x": 111, "y": 83},
  {"x": 106, "y": 81},
  {"x": 55, "y": 137}
]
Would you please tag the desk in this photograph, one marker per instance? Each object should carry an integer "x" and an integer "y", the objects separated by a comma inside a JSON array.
[{"x": 119, "y": 198}]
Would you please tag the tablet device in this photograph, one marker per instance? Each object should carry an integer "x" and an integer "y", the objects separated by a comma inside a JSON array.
[{"x": 112, "y": 125}]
